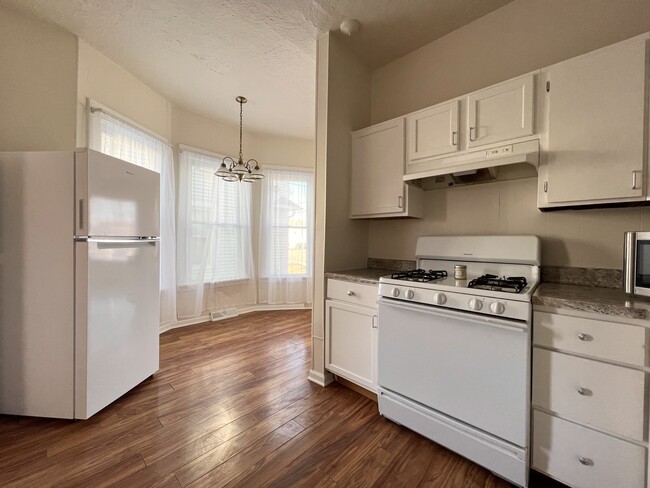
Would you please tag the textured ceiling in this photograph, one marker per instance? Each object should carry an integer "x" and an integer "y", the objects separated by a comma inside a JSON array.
[{"x": 200, "y": 54}]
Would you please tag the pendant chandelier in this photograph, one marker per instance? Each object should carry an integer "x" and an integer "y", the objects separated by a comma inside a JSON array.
[{"x": 231, "y": 170}]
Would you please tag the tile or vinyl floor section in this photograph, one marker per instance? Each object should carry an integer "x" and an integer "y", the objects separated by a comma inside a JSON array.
[{"x": 231, "y": 407}]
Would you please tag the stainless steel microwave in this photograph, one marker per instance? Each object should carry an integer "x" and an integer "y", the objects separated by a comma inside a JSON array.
[{"x": 636, "y": 263}]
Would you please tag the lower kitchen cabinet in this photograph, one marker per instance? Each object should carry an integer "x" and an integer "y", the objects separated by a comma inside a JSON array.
[
  {"x": 589, "y": 400},
  {"x": 351, "y": 332}
]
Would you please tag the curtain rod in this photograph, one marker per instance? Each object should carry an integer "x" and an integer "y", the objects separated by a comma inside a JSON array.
[{"x": 130, "y": 124}]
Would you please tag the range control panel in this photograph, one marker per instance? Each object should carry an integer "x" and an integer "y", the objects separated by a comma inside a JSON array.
[{"x": 498, "y": 307}]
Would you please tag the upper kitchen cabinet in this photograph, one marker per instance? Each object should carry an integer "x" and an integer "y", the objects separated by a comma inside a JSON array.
[
  {"x": 596, "y": 127},
  {"x": 501, "y": 112},
  {"x": 377, "y": 185},
  {"x": 488, "y": 128},
  {"x": 434, "y": 131}
]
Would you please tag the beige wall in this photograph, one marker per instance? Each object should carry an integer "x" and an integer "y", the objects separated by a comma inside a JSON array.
[
  {"x": 517, "y": 38},
  {"x": 38, "y": 83},
  {"x": 102, "y": 80},
  {"x": 317, "y": 372},
  {"x": 346, "y": 241},
  {"x": 590, "y": 238},
  {"x": 520, "y": 37},
  {"x": 214, "y": 136},
  {"x": 342, "y": 105}
]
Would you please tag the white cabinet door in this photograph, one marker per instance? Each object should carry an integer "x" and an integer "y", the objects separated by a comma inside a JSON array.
[
  {"x": 434, "y": 131},
  {"x": 501, "y": 112},
  {"x": 351, "y": 343},
  {"x": 596, "y": 124},
  {"x": 377, "y": 185}
]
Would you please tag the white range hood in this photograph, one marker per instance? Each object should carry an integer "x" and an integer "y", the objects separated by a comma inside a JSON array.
[{"x": 472, "y": 162}]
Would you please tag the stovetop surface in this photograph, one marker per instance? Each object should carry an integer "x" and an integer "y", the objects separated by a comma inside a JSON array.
[
  {"x": 426, "y": 277},
  {"x": 419, "y": 275}
]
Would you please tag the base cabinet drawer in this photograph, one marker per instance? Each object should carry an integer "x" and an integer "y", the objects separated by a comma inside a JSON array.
[
  {"x": 583, "y": 458},
  {"x": 597, "y": 338},
  {"x": 354, "y": 293},
  {"x": 591, "y": 392}
]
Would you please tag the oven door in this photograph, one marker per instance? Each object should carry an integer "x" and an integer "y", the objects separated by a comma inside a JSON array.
[{"x": 469, "y": 367}]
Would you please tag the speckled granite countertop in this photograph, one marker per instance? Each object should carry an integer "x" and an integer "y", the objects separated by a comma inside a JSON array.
[
  {"x": 607, "y": 301},
  {"x": 368, "y": 276}
]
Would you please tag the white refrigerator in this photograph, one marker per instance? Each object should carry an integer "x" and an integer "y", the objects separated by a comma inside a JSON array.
[{"x": 79, "y": 281}]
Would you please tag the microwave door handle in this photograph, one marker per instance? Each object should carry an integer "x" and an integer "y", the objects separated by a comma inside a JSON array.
[{"x": 629, "y": 262}]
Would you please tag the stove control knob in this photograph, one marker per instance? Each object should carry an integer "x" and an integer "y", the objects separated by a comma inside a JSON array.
[
  {"x": 395, "y": 292},
  {"x": 439, "y": 299},
  {"x": 497, "y": 308},
  {"x": 410, "y": 294},
  {"x": 475, "y": 304}
]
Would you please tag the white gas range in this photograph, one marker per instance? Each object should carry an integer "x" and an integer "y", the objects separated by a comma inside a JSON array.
[{"x": 454, "y": 354}]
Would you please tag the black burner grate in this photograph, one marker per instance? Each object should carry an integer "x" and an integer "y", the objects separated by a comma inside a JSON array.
[
  {"x": 419, "y": 275},
  {"x": 512, "y": 284}
]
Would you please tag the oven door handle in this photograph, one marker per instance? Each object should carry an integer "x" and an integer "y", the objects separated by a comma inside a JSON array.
[{"x": 468, "y": 317}]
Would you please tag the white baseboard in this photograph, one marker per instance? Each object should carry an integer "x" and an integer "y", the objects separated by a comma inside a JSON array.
[
  {"x": 320, "y": 378},
  {"x": 262, "y": 307}
]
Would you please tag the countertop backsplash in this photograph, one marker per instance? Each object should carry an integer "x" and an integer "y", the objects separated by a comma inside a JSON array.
[{"x": 597, "y": 277}]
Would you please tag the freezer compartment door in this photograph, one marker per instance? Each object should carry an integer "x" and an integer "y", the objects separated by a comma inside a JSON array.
[
  {"x": 117, "y": 327},
  {"x": 115, "y": 198}
]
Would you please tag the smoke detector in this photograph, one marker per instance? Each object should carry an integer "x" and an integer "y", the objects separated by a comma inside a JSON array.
[{"x": 350, "y": 26}]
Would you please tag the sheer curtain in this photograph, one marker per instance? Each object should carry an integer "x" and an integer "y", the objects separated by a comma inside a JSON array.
[
  {"x": 286, "y": 237},
  {"x": 111, "y": 136},
  {"x": 215, "y": 263}
]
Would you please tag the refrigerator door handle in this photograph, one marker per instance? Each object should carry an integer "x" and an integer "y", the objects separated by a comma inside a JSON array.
[
  {"x": 81, "y": 213},
  {"x": 117, "y": 239},
  {"x": 117, "y": 242}
]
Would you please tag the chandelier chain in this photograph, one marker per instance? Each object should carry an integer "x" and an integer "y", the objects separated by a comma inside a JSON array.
[{"x": 241, "y": 111}]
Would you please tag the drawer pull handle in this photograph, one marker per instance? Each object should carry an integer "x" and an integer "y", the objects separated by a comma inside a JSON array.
[
  {"x": 583, "y": 391},
  {"x": 584, "y": 337},
  {"x": 585, "y": 461},
  {"x": 350, "y": 293}
]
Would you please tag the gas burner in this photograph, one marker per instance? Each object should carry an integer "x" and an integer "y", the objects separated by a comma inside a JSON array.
[
  {"x": 513, "y": 284},
  {"x": 419, "y": 275}
]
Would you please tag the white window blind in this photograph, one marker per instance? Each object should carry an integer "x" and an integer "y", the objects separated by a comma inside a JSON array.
[
  {"x": 214, "y": 223},
  {"x": 286, "y": 236}
]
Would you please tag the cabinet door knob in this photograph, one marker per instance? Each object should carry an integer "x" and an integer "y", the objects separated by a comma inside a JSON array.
[
  {"x": 585, "y": 461},
  {"x": 584, "y": 337},
  {"x": 634, "y": 180},
  {"x": 374, "y": 321},
  {"x": 399, "y": 201},
  {"x": 350, "y": 293},
  {"x": 472, "y": 133},
  {"x": 583, "y": 391},
  {"x": 454, "y": 138}
]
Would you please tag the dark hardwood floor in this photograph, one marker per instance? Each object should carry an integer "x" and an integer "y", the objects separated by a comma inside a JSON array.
[{"x": 231, "y": 407}]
